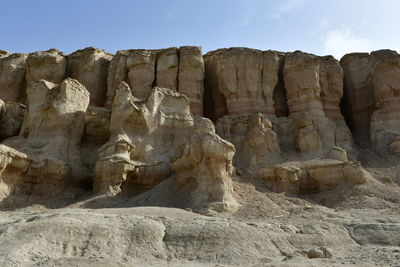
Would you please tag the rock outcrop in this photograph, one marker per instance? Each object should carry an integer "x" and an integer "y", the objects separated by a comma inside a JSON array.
[
  {"x": 280, "y": 115},
  {"x": 48, "y": 65},
  {"x": 45, "y": 158},
  {"x": 12, "y": 77},
  {"x": 156, "y": 138},
  {"x": 90, "y": 67},
  {"x": 143, "y": 69},
  {"x": 240, "y": 80},
  {"x": 11, "y": 118}
]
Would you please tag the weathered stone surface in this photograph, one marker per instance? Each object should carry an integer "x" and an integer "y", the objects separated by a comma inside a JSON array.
[
  {"x": 385, "y": 121},
  {"x": 12, "y": 77},
  {"x": 313, "y": 90},
  {"x": 45, "y": 157},
  {"x": 254, "y": 139},
  {"x": 137, "y": 68},
  {"x": 191, "y": 77},
  {"x": 90, "y": 67},
  {"x": 241, "y": 80},
  {"x": 376, "y": 234},
  {"x": 148, "y": 136},
  {"x": 50, "y": 65},
  {"x": 11, "y": 118},
  {"x": 177, "y": 69},
  {"x": 167, "y": 68},
  {"x": 313, "y": 176}
]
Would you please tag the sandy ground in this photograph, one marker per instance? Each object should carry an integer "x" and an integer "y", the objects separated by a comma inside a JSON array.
[{"x": 360, "y": 225}]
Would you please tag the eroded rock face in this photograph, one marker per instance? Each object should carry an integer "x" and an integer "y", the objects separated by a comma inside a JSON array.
[
  {"x": 12, "y": 77},
  {"x": 143, "y": 69},
  {"x": 385, "y": 121},
  {"x": 45, "y": 157},
  {"x": 359, "y": 94},
  {"x": 90, "y": 67},
  {"x": 312, "y": 176},
  {"x": 153, "y": 139},
  {"x": 252, "y": 134},
  {"x": 191, "y": 77},
  {"x": 48, "y": 65},
  {"x": 11, "y": 118},
  {"x": 241, "y": 80},
  {"x": 313, "y": 89}
]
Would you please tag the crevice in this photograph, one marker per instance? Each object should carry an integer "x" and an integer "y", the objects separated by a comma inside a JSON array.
[{"x": 279, "y": 96}]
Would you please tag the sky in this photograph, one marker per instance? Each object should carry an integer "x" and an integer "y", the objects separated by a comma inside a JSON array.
[{"x": 322, "y": 27}]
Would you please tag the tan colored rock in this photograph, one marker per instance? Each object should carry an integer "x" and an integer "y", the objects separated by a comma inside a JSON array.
[
  {"x": 358, "y": 92},
  {"x": 312, "y": 176},
  {"x": 90, "y": 67},
  {"x": 11, "y": 118},
  {"x": 337, "y": 153},
  {"x": 385, "y": 121},
  {"x": 148, "y": 136},
  {"x": 313, "y": 90},
  {"x": 167, "y": 68},
  {"x": 12, "y": 77},
  {"x": 191, "y": 77},
  {"x": 143, "y": 69},
  {"x": 241, "y": 80},
  {"x": 206, "y": 165},
  {"x": 50, "y": 65},
  {"x": 254, "y": 139},
  {"x": 45, "y": 157}
]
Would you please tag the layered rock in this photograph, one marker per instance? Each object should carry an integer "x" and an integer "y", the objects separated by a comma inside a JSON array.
[
  {"x": 143, "y": 69},
  {"x": 12, "y": 77},
  {"x": 313, "y": 176},
  {"x": 90, "y": 67},
  {"x": 11, "y": 118},
  {"x": 359, "y": 101},
  {"x": 153, "y": 139},
  {"x": 313, "y": 90},
  {"x": 385, "y": 121},
  {"x": 191, "y": 77},
  {"x": 45, "y": 157},
  {"x": 241, "y": 80},
  {"x": 48, "y": 65},
  {"x": 254, "y": 139}
]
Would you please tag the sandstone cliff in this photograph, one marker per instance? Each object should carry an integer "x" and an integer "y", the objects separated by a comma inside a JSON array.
[{"x": 127, "y": 123}]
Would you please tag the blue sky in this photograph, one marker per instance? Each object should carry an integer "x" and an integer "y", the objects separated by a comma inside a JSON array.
[{"x": 316, "y": 26}]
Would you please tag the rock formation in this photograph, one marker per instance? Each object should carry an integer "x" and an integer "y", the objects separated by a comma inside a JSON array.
[
  {"x": 143, "y": 69},
  {"x": 11, "y": 118},
  {"x": 12, "y": 77},
  {"x": 281, "y": 117},
  {"x": 90, "y": 67},
  {"x": 49, "y": 65},
  {"x": 45, "y": 157},
  {"x": 241, "y": 80},
  {"x": 156, "y": 138}
]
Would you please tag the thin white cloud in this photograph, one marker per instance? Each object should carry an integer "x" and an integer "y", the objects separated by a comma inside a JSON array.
[
  {"x": 343, "y": 41},
  {"x": 284, "y": 7},
  {"x": 346, "y": 40}
]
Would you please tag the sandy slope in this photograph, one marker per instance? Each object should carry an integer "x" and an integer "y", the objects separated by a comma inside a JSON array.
[{"x": 360, "y": 224}]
